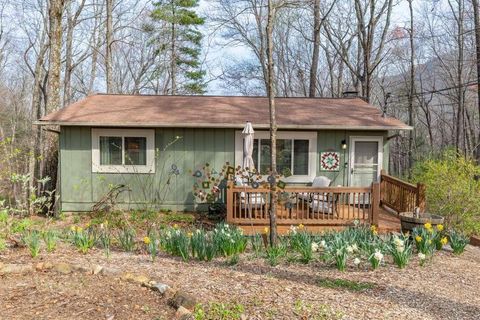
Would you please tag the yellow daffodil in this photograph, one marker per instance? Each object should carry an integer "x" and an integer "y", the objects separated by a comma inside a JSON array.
[
  {"x": 73, "y": 228},
  {"x": 440, "y": 227},
  {"x": 428, "y": 225},
  {"x": 374, "y": 230},
  {"x": 265, "y": 230},
  {"x": 175, "y": 226},
  {"x": 189, "y": 234},
  {"x": 418, "y": 238},
  {"x": 429, "y": 241},
  {"x": 444, "y": 240},
  {"x": 146, "y": 240},
  {"x": 300, "y": 226},
  {"x": 79, "y": 229}
]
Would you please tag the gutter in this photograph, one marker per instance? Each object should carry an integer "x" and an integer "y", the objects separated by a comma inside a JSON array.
[{"x": 216, "y": 125}]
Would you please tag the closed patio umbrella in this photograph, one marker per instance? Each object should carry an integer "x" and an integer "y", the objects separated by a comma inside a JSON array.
[{"x": 248, "y": 146}]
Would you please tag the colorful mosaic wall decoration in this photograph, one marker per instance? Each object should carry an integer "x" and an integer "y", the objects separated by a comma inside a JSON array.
[{"x": 330, "y": 161}]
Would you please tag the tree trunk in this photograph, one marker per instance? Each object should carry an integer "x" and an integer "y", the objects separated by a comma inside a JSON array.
[
  {"x": 109, "y": 39},
  {"x": 412, "y": 89},
  {"x": 55, "y": 58},
  {"x": 316, "y": 48},
  {"x": 273, "y": 123},
  {"x": 477, "y": 45}
]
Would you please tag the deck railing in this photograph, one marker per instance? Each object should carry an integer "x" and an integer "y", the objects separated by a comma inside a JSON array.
[
  {"x": 399, "y": 195},
  {"x": 306, "y": 205}
]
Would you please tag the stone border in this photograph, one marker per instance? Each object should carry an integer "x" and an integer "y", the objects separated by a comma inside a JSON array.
[{"x": 183, "y": 302}]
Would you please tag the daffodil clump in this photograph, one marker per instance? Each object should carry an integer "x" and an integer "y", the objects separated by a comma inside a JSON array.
[
  {"x": 400, "y": 249},
  {"x": 229, "y": 240},
  {"x": 31, "y": 238},
  {"x": 105, "y": 237},
  {"x": 126, "y": 238},
  {"x": 152, "y": 245},
  {"x": 458, "y": 241},
  {"x": 83, "y": 239},
  {"x": 302, "y": 243},
  {"x": 429, "y": 238},
  {"x": 203, "y": 246},
  {"x": 175, "y": 242},
  {"x": 50, "y": 238}
]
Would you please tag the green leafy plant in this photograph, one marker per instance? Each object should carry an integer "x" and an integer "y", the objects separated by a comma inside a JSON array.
[
  {"x": 458, "y": 241},
  {"x": 32, "y": 241},
  {"x": 126, "y": 239},
  {"x": 50, "y": 238},
  {"x": 218, "y": 311},
  {"x": 400, "y": 249}
]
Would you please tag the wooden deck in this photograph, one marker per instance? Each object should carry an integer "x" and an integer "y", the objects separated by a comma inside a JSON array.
[
  {"x": 387, "y": 222},
  {"x": 321, "y": 209}
]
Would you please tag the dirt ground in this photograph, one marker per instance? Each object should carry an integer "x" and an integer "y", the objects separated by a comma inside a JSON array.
[{"x": 446, "y": 288}]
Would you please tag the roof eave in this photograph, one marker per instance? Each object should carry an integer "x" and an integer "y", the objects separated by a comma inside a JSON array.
[{"x": 217, "y": 125}]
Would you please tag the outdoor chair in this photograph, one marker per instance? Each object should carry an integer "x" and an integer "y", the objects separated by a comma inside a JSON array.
[{"x": 318, "y": 182}]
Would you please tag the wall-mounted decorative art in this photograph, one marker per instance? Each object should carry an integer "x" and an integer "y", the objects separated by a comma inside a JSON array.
[{"x": 329, "y": 161}]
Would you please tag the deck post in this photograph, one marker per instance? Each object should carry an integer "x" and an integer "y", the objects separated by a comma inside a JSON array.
[
  {"x": 375, "y": 203},
  {"x": 420, "y": 201},
  {"x": 229, "y": 202}
]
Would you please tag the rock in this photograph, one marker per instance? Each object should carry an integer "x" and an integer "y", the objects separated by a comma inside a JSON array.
[
  {"x": 42, "y": 266},
  {"x": 183, "y": 314},
  {"x": 16, "y": 269},
  {"x": 110, "y": 271},
  {"x": 183, "y": 299},
  {"x": 96, "y": 269},
  {"x": 169, "y": 293},
  {"x": 160, "y": 287},
  {"x": 139, "y": 278},
  {"x": 63, "y": 267},
  {"x": 81, "y": 268}
]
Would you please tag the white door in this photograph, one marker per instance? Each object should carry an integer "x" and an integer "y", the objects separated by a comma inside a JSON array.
[{"x": 366, "y": 155}]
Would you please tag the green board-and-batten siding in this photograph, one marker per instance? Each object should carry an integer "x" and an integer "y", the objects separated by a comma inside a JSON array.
[{"x": 81, "y": 188}]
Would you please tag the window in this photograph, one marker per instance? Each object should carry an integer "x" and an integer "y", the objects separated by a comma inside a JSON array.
[
  {"x": 296, "y": 154},
  {"x": 123, "y": 150}
]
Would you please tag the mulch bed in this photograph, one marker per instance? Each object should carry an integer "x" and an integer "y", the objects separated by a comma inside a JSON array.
[{"x": 447, "y": 288}]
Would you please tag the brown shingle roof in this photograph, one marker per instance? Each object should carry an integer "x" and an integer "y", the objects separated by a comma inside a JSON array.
[{"x": 221, "y": 112}]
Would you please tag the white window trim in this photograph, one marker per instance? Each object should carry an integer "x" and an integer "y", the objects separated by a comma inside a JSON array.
[
  {"x": 352, "y": 139},
  {"x": 311, "y": 136},
  {"x": 149, "y": 134}
]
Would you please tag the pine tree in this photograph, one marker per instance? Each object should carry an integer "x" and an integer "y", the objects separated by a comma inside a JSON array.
[{"x": 183, "y": 42}]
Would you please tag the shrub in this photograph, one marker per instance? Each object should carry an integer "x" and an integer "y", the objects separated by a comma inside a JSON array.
[
  {"x": 458, "y": 241},
  {"x": 452, "y": 190},
  {"x": 32, "y": 241}
]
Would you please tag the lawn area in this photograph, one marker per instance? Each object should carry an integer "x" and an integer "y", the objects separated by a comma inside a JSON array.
[{"x": 66, "y": 284}]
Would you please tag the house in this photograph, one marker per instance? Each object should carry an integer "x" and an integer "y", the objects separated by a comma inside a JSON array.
[{"x": 137, "y": 140}]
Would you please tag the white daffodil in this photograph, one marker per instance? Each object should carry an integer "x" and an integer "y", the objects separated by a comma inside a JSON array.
[
  {"x": 400, "y": 249},
  {"x": 356, "y": 261},
  {"x": 355, "y": 247},
  {"x": 339, "y": 252},
  {"x": 314, "y": 246},
  {"x": 349, "y": 249},
  {"x": 323, "y": 244},
  {"x": 421, "y": 256},
  {"x": 378, "y": 255}
]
